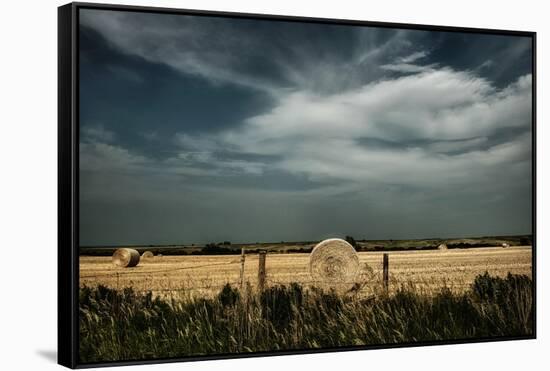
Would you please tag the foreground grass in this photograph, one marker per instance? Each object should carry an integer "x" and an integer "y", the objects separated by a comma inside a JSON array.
[{"x": 123, "y": 325}]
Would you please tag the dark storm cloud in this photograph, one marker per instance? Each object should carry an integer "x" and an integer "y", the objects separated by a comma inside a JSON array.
[
  {"x": 197, "y": 129},
  {"x": 147, "y": 104}
]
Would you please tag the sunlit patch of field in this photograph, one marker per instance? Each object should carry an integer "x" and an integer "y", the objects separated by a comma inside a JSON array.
[{"x": 205, "y": 275}]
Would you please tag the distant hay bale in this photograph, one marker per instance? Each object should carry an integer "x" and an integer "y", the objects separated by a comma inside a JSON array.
[
  {"x": 442, "y": 247},
  {"x": 147, "y": 255},
  {"x": 126, "y": 258},
  {"x": 159, "y": 255},
  {"x": 334, "y": 261},
  {"x": 505, "y": 245}
]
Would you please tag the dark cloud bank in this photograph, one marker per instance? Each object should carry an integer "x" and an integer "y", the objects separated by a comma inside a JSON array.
[{"x": 198, "y": 129}]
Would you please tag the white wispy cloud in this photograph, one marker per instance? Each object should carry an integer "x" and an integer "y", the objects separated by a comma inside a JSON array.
[
  {"x": 414, "y": 57},
  {"x": 487, "y": 64},
  {"x": 112, "y": 158},
  {"x": 406, "y": 67},
  {"x": 178, "y": 41},
  {"x": 97, "y": 132},
  {"x": 99, "y": 156},
  {"x": 206, "y": 48}
]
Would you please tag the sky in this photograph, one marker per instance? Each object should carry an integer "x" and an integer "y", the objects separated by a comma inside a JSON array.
[{"x": 197, "y": 129}]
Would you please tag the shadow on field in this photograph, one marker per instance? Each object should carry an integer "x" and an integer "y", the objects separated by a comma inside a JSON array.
[{"x": 50, "y": 355}]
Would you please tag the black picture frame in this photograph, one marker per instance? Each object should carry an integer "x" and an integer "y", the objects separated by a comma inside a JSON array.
[{"x": 68, "y": 177}]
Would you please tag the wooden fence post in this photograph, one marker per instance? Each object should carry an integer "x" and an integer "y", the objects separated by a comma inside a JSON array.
[
  {"x": 261, "y": 270},
  {"x": 242, "y": 267},
  {"x": 386, "y": 272}
]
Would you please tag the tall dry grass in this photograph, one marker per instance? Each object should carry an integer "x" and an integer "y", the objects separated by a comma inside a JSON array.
[{"x": 125, "y": 325}]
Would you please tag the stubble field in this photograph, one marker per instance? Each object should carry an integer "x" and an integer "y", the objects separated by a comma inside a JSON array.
[{"x": 425, "y": 271}]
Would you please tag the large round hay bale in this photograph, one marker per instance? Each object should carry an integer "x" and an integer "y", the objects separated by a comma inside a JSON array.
[
  {"x": 334, "y": 261},
  {"x": 442, "y": 247},
  {"x": 126, "y": 257},
  {"x": 147, "y": 255},
  {"x": 505, "y": 245}
]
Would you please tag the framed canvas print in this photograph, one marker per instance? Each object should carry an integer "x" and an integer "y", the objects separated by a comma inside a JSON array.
[{"x": 235, "y": 185}]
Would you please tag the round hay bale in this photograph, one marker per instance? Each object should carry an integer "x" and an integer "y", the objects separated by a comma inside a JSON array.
[
  {"x": 334, "y": 261},
  {"x": 442, "y": 247},
  {"x": 505, "y": 245},
  {"x": 126, "y": 258},
  {"x": 147, "y": 255}
]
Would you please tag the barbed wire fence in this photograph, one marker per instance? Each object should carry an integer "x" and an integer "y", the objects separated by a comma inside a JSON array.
[{"x": 377, "y": 278}]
